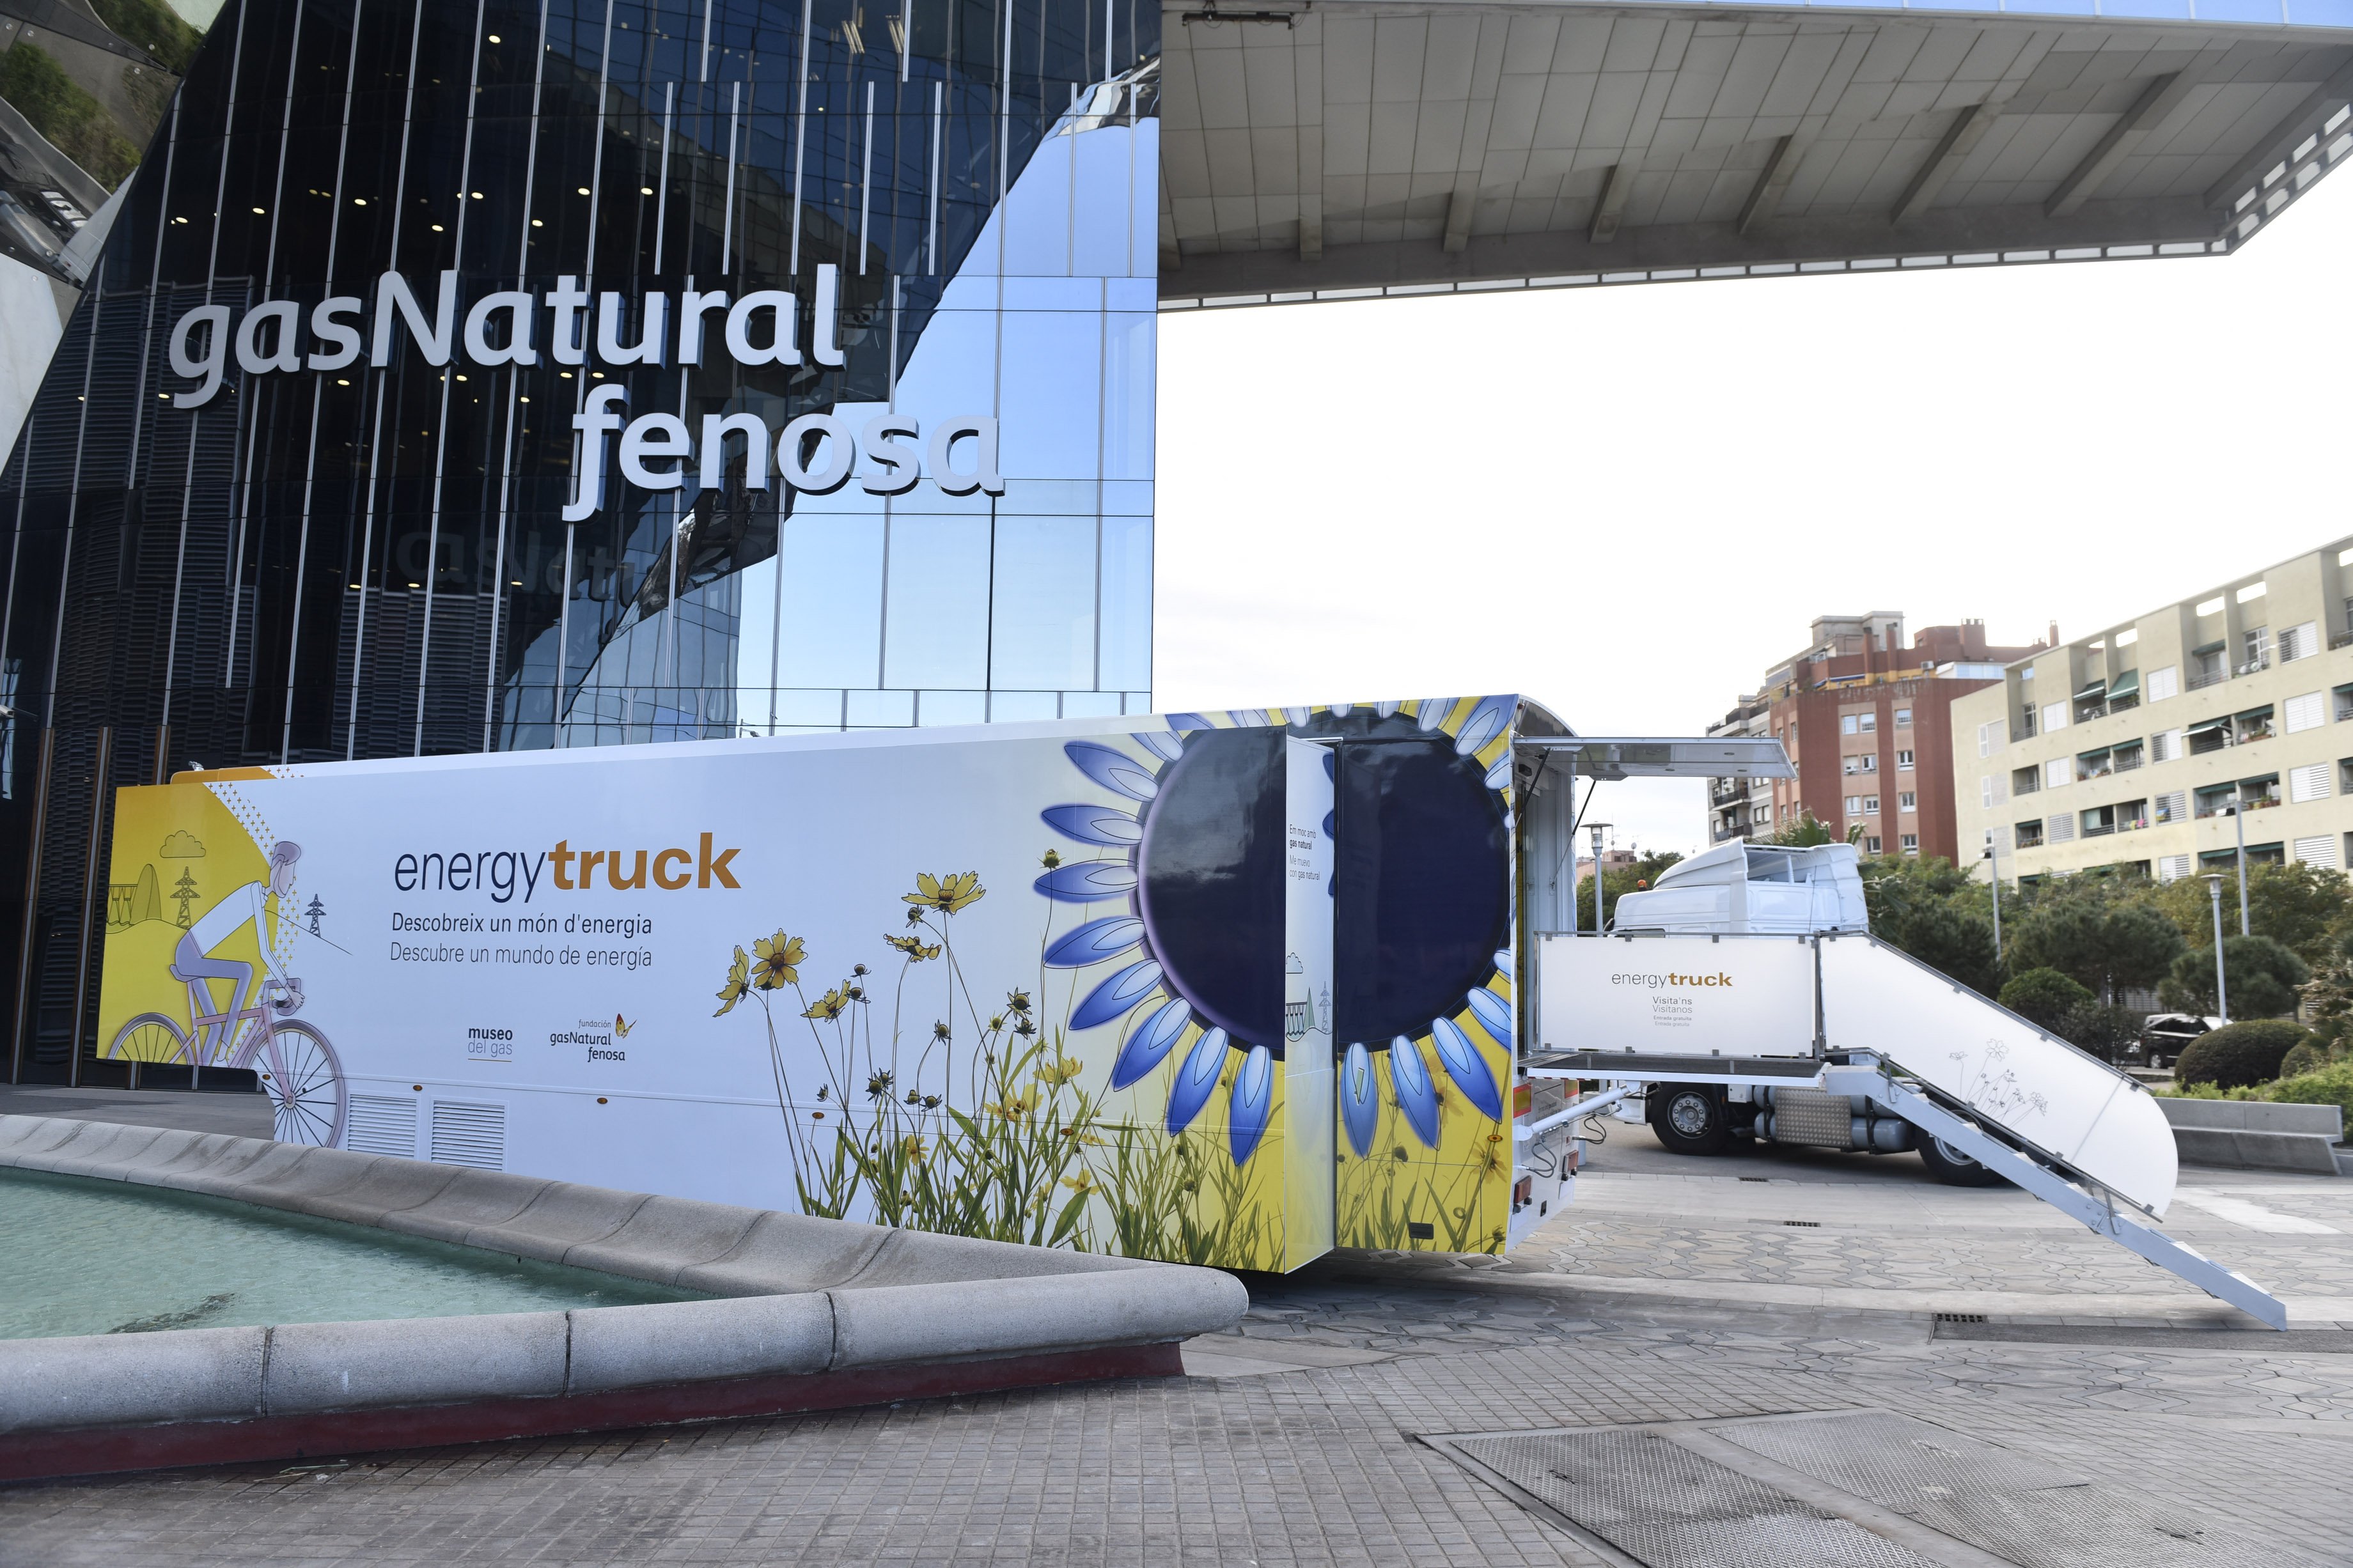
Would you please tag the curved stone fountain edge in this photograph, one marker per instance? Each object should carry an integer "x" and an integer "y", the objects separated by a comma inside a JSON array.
[{"x": 812, "y": 1314}]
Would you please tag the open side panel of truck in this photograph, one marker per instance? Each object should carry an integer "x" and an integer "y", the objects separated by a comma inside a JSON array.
[{"x": 1849, "y": 1015}]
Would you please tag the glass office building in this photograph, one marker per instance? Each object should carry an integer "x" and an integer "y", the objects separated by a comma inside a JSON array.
[{"x": 516, "y": 375}]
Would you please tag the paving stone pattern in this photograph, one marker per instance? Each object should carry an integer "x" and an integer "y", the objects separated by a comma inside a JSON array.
[{"x": 1298, "y": 1442}]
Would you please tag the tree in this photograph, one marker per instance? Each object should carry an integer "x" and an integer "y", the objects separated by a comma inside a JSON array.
[
  {"x": 1930, "y": 908},
  {"x": 2302, "y": 908},
  {"x": 1802, "y": 833},
  {"x": 2044, "y": 997},
  {"x": 1950, "y": 940},
  {"x": 2262, "y": 974},
  {"x": 2102, "y": 937}
]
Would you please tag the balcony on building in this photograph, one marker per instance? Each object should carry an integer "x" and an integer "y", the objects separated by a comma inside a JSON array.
[
  {"x": 2094, "y": 764},
  {"x": 2211, "y": 735},
  {"x": 2127, "y": 757},
  {"x": 2207, "y": 667},
  {"x": 2026, "y": 780},
  {"x": 2255, "y": 724},
  {"x": 2092, "y": 703}
]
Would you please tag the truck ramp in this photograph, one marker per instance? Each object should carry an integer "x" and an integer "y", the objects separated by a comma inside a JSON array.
[{"x": 1850, "y": 1015}]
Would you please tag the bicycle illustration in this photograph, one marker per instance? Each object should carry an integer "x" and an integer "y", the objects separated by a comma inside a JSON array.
[{"x": 298, "y": 1067}]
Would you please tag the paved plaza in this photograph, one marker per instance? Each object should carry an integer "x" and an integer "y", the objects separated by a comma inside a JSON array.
[{"x": 1749, "y": 1351}]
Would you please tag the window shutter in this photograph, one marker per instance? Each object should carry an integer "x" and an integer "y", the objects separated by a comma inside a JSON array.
[
  {"x": 2173, "y": 806},
  {"x": 2304, "y": 712},
  {"x": 2060, "y": 829},
  {"x": 2054, "y": 716},
  {"x": 2056, "y": 772},
  {"x": 2320, "y": 851},
  {"x": 2299, "y": 642},
  {"x": 2164, "y": 683},
  {"x": 2172, "y": 867},
  {"x": 2309, "y": 782}
]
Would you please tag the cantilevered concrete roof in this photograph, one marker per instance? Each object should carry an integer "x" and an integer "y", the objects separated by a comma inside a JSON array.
[{"x": 1402, "y": 145}]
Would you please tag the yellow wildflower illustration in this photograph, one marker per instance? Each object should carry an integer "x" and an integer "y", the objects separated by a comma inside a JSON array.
[
  {"x": 733, "y": 991},
  {"x": 780, "y": 959},
  {"x": 947, "y": 894}
]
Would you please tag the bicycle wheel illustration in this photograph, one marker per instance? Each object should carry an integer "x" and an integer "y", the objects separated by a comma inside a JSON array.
[
  {"x": 304, "y": 1080},
  {"x": 150, "y": 1037}
]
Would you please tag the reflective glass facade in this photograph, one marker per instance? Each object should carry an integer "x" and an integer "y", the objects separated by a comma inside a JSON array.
[{"x": 516, "y": 375}]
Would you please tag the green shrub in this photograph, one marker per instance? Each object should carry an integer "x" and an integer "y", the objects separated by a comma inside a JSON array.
[
  {"x": 2308, "y": 1056},
  {"x": 2237, "y": 1055},
  {"x": 75, "y": 123},
  {"x": 2332, "y": 1085},
  {"x": 153, "y": 26},
  {"x": 2044, "y": 997}
]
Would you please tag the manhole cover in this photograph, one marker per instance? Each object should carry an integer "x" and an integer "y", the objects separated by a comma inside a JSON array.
[
  {"x": 1669, "y": 1508},
  {"x": 2017, "y": 1505}
]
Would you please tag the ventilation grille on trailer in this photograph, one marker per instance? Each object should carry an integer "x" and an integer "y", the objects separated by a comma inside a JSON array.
[
  {"x": 468, "y": 1134},
  {"x": 380, "y": 1125}
]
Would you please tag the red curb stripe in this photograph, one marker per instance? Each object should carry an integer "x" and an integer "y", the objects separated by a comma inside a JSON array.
[{"x": 99, "y": 1450}]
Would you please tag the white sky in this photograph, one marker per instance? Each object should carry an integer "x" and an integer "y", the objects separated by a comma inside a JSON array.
[{"x": 1626, "y": 501}]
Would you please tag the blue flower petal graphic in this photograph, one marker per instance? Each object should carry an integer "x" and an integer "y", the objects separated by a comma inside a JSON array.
[
  {"x": 1094, "y": 941},
  {"x": 1500, "y": 775},
  {"x": 1487, "y": 722},
  {"x": 1297, "y": 715},
  {"x": 1433, "y": 713},
  {"x": 1360, "y": 1099},
  {"x": 1495, "y": 1016},
  {"x": 1386, "y": 709},
  {"x": 1195, "y": 1080},
  {"x": 1467, "y": 1067},
  {"x": 1416, "y": 1095},
  {"x": 1250, "y": 717},
  {"x": 1147, "y": 1047},
  {"x": 1183, "y": 722},
  {"x": 1342, "y": 709},
  {"x": 1088, "y": 881},
  {"x": 1113, "y": 769},
  {"x": 1116, "y": 995},
  {"x": 1104, "y": 824},
  {"x": 1166, "y": 745},
  {"x": 1253, "y": 1103}
]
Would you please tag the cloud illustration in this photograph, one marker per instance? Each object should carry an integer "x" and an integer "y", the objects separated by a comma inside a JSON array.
[{"x": 181, "y": 846}]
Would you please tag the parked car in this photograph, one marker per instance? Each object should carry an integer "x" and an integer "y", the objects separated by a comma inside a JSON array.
[{"x": 2163, "y": 1036}]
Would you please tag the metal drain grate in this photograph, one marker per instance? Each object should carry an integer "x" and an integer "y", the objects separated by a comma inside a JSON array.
[
  {"x": 1804, "y": 1224},
  {"x": 1961, "y": 1317},
  {"x": 1667, "y": 1506},
  {"x": 2021, "y": 1506}
]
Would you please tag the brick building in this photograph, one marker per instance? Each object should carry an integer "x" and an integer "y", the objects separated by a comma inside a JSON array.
[{"x": 1864, "y": 713}]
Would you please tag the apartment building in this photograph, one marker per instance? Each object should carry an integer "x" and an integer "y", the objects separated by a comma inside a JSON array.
[
  {"x": 1863, "y": 711},
  {"x": 2151, "y": 745}
]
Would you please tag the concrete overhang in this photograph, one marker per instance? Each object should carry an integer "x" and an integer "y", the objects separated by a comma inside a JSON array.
[{"x": 1345, "y": 148}]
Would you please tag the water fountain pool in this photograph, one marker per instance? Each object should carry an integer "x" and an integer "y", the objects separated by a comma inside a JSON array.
[{"x": 89, "y": 1256}]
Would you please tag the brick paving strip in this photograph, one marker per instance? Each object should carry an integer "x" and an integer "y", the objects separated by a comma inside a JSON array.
[{"x": 1305, "y": 1437}]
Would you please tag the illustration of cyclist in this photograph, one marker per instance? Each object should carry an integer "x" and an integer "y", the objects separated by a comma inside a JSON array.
[{"x": 194, "y": 961}]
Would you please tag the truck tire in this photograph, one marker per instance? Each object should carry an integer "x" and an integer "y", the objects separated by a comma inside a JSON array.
[
  {"x": 1689, "y": 1118},
  {"x": 1951, "y": 1166}
]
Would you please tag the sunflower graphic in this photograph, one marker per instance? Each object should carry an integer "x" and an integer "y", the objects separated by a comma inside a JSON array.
[{"x": 1178, "y": 852}]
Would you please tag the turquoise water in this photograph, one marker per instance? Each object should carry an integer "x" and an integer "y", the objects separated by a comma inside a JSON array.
[{"x": 85, "y": 1257}]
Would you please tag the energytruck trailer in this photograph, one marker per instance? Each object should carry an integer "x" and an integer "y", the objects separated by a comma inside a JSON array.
[{"x": 1229, "y": 987}]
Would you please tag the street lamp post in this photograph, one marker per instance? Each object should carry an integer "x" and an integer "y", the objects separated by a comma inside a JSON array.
[
  {"x": 2238, "y": 821},
  {"x": 1993, "y": 876},
  {"x": 1600, "y": 919},
  {"x": 2222, "y": 985}
]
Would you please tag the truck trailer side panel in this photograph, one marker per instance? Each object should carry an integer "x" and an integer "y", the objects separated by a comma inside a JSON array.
[{"x": 1089, "y": 982}]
